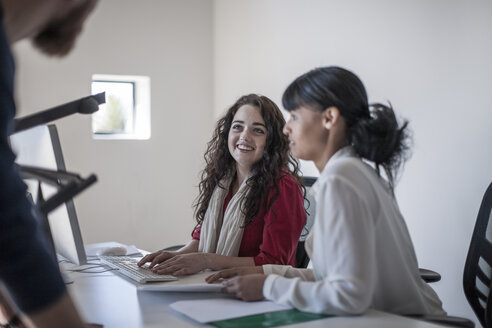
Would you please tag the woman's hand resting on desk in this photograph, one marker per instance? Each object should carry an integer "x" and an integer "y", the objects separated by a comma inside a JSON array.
[
  {"x": 229, "y": 273},
  {"x": 245, "y": 283},
  {"x": 248, "y": 288}
]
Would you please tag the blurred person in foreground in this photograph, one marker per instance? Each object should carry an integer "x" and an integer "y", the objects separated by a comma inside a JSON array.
[{"x": 32, "y": 292}]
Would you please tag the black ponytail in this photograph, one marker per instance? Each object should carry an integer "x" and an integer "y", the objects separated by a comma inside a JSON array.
[
  {"x": 381, "y": 140},
  {"x": 372, "y": 130}
]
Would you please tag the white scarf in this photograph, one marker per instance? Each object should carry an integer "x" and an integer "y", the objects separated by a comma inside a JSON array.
[{"x": 219, "y": 236}]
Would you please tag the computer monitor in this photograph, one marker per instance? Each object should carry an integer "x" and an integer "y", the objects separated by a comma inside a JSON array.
[{"x": 40, "y": 147}]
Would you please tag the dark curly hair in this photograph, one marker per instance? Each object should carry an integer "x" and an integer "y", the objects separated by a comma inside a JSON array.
[{"x": 220, "y": 164}]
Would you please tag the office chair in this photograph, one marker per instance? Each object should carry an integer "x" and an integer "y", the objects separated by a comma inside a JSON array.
[
  {"x": 429, "y": 275},
  {"x": 477, "y": 276},
  {"x": 302, "y": 259}
]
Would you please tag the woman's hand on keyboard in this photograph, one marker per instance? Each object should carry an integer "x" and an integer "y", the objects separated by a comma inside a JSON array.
[
  {"x": 156, "y": 258},
  {"x": 183, "y": 264}
]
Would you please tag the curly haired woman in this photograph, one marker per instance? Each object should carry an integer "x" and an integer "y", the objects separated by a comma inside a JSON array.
[{"x": 250, "y": 210}]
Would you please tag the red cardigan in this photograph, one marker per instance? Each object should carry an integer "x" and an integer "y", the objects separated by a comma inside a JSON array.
[{"x": 273, "y": 235}]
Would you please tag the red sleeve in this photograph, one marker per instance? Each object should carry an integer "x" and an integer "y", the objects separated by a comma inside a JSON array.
[
  {"x": 283, "y": 225},
  {"x": 196, "y": 233}
]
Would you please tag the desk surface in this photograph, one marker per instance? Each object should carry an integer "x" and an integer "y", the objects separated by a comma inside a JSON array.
[{"x": 111, "y": 300}]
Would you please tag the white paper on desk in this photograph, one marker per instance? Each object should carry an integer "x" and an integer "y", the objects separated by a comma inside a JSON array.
[
  {"x": 92, "y": 249},
  {"x": 218, "y": 309},
  {"x": 191, "y": 283}
]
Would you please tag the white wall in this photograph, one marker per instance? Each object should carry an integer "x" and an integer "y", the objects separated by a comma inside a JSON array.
[
  {"x": 146, "y": 187},
  {"x": 431, "y": 59}
]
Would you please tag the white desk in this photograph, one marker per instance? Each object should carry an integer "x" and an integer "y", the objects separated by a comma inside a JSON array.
[{"x": 114, "y": 302}]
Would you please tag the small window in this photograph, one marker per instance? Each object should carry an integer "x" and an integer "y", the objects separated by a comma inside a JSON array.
[{"x": 126, "y": 113}]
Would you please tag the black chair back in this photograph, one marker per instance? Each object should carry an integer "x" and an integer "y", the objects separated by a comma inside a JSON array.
[
  {"x": 302, "y": 259},
  {"x": 477, "y": 276}
]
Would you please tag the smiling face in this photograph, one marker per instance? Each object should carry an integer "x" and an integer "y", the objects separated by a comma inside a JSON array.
[{"x": 247, "y": 137}]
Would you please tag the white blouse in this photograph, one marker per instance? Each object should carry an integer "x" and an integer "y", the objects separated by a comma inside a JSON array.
[{"x": 360, "y": 249}]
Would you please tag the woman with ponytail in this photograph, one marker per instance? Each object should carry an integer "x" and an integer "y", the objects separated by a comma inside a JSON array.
[{"x": 361, "y": 252}]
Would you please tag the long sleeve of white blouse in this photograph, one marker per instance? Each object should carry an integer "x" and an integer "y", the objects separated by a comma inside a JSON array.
[
  {"x": 289, "y": 272},
  {"x": 343, "y": 257}
]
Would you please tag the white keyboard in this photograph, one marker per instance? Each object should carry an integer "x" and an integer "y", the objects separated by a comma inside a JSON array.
[{"x": 127, "y": 266}]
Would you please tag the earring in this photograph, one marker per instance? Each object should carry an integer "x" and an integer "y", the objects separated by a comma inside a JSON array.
[{"x": 328, "y": 125}]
